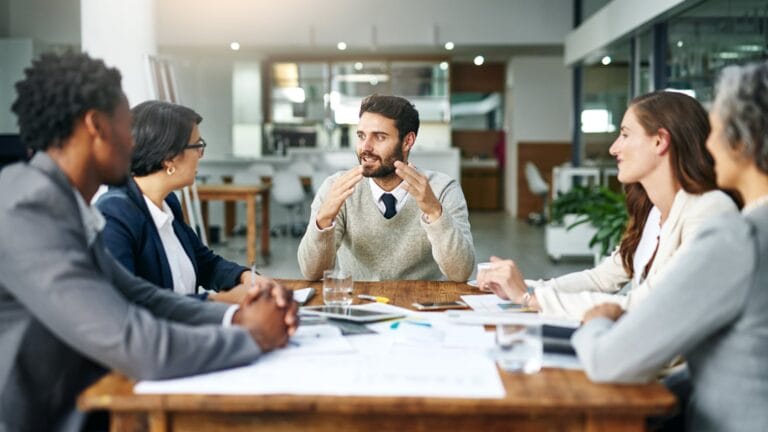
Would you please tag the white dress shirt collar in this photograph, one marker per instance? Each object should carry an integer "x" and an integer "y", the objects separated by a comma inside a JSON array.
[
  {"x": 399, "y": 193},
  {"x": 93, "y": 220},
  {"x": 182, "y": 270}
]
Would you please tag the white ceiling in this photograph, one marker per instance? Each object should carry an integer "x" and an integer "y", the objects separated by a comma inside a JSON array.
[{"x": 315, "y": 26}]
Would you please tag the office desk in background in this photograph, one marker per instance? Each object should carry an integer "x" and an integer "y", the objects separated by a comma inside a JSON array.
[
  {"x": 231, "y": 192},
  {"x": 553, "y": 399}
]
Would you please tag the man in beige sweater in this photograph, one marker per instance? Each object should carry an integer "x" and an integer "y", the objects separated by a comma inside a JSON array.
[{"x": 399, "y": 222}]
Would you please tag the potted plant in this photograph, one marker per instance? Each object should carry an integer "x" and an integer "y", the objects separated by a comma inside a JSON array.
[{"x": 597, "y": 211}]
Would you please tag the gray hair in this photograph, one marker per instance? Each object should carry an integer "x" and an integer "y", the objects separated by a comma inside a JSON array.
[{"x": 742, "y": 104}]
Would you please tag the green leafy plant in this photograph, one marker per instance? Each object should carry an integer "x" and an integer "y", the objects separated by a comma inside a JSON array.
[{"x": 597, "y": 205}]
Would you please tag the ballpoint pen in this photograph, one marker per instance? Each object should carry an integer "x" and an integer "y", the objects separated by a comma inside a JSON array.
[
  {"x": 396, "y": 324},
  {"x": 377, "y": 299}
]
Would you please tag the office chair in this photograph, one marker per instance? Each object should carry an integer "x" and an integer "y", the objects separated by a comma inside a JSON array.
[
  {"x": 289, "y": 193},
  {"x": 539, "y": 187}
]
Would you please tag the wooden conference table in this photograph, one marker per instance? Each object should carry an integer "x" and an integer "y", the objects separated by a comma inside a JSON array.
[
  {"x": 230, "y": 193},
  {"x": 553, "y": 399}
]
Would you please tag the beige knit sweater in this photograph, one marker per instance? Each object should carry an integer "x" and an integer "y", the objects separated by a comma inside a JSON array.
[{"x": 373, "y": 248}]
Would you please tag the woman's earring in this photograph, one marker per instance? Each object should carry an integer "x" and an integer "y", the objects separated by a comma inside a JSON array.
[{"x": 170, "y": 170}]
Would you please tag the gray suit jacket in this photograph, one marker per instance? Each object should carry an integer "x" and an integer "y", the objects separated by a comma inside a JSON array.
[
  {"x": 69, "y": 312},
  {"x": 711, "y": 306}
]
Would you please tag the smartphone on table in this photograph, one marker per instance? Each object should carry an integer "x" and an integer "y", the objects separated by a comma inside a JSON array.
[{"x": 433, "y": 306}]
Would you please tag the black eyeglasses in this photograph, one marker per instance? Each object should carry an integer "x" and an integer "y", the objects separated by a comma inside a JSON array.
[{"x": 200, "y": 144}]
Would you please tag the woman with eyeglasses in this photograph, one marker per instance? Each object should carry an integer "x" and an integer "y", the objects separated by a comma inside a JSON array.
[{"x": 145, "y": 229}]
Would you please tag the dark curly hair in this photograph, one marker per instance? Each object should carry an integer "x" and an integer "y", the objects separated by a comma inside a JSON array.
[
  {"x": 57, "y": 90},
  {"x": 161, "y": 130},
  {"x": 396, "y": 108}
]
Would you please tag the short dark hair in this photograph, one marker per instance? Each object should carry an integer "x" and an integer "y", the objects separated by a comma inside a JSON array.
[
  {"x": 57, "y": 90},
  {"x": 161, "y": 130},
  {"x": 396, "y": 108}
]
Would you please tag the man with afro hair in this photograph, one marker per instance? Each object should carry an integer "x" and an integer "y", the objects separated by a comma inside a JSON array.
[{"x": 68, "y": 311}]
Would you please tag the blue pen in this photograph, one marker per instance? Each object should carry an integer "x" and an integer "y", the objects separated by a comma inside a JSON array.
[{"x": 396, "y": 324}]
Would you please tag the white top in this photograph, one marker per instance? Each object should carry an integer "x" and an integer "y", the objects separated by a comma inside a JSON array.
[
  {"x": 571, "y": 295},
  {"x": 182, "y": 271},
  {"x": 647, "y": 246},
  {"x": 399, "y": 193}
]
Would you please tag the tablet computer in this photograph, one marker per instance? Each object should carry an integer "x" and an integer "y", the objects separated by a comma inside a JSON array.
[{"x": 348, "y": 313}]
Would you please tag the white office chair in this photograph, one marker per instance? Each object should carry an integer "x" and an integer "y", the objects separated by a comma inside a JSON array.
[
  {"x": 289, "y": 193},
  {"x": 539, "y": 187},
  {"x": 318, "y": 177}
]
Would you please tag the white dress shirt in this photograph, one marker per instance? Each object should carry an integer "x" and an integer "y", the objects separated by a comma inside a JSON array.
[
  {"x": 399, "y": 193},
  {"x": 182, "y": 270}
]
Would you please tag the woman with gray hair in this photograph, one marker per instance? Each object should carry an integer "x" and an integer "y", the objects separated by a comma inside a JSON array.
[{"x": 710, "y": 306}]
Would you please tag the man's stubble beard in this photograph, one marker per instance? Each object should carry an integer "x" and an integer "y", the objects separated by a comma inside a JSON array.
[{"x": 387, "y": 168}]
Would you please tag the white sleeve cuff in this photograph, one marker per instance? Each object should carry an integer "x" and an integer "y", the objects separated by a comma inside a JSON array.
[{"x": 229, "y": 315}]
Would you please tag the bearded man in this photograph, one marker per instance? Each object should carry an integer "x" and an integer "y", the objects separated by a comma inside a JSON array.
[{"x": 385, "y": 219}]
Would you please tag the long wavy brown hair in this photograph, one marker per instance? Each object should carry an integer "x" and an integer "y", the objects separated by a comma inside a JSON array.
[{"x": 692, "y": 166}]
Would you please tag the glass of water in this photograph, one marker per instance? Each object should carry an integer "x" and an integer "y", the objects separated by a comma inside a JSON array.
[
  {"x": 337, "y": 288},
  {"x": 519, "y": 347}
]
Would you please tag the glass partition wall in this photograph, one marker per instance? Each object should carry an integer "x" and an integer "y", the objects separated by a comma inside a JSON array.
[{"x": 685, "y": 52}]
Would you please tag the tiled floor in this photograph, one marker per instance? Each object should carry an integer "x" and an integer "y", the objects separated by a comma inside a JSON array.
[{"x": 493, "y": 233}]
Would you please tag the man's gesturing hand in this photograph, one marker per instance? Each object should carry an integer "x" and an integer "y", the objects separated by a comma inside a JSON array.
[
  {"x": 417, "y": 185},
  {"x": 339, "y": 191}
]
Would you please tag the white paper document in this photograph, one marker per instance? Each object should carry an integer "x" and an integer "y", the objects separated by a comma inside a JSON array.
[
  {"x": 317, "y": 339},
  {"x": 428, "y": 373},
  {"x": 485, "y": 302},
  {"x": 494, "y": 318}
]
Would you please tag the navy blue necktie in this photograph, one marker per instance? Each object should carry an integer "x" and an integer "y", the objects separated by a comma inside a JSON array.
[{"x": 389, "y": 202}]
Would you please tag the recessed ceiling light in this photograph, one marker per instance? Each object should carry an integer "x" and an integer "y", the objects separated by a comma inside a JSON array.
[
  {"x": 606, "y": 60},
  {"x": 444, "y": 65},
  {"x": 358, "y": 66},
  {"x": 728, "y": 55},
  {"x": 679, "y": 44},
  {"x": 449, "y": 46},
  {"x": 341, "y": 46},
  {"x": 479, "y": 60},
  {"x": 235, "y": 46}
]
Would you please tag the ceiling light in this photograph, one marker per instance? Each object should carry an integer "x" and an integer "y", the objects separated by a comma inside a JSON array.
[
  {"x": 444, "y": 65},
  {"x": 750, "y": 48},
  {"x": 479, "y": 60},
  {"x": 341, "y": 46},
  {"x": 235, "y": 46},
  {"x": 606, "y": 60},
  {"x": 358, "y": 66},
  {"x": 679, "y": 44},
  {"x": 449, "y": 46},
  {"x": 728, "y": 55}
]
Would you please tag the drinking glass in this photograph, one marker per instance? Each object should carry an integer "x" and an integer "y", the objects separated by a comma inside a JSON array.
[
  {"x": 519, "y": 347},
  {"x": 337, "y": 288}
]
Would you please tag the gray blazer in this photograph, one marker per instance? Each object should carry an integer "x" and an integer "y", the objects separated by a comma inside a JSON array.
[
  {"x": 70, "y": 312},
  {"x": 710, "y": 306}
]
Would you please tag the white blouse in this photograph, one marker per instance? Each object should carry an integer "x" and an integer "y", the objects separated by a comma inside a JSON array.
[
  {"x": 182, "y": 270},
  {"x": 647, "y": 246}
]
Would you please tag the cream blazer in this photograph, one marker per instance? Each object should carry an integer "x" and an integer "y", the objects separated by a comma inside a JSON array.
[{"x": 571, "y": 295}]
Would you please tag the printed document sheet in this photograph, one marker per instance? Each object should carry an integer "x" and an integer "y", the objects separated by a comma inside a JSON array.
[{"x": 412, "y": 372}]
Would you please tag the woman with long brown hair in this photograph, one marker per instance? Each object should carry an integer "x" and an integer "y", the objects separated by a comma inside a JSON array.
[
  {"x": 670, "y": 183},
  {"x": 710, "y": 304}
]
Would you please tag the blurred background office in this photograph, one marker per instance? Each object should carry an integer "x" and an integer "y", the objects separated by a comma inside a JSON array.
[{"x": 500, "y": 86}]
